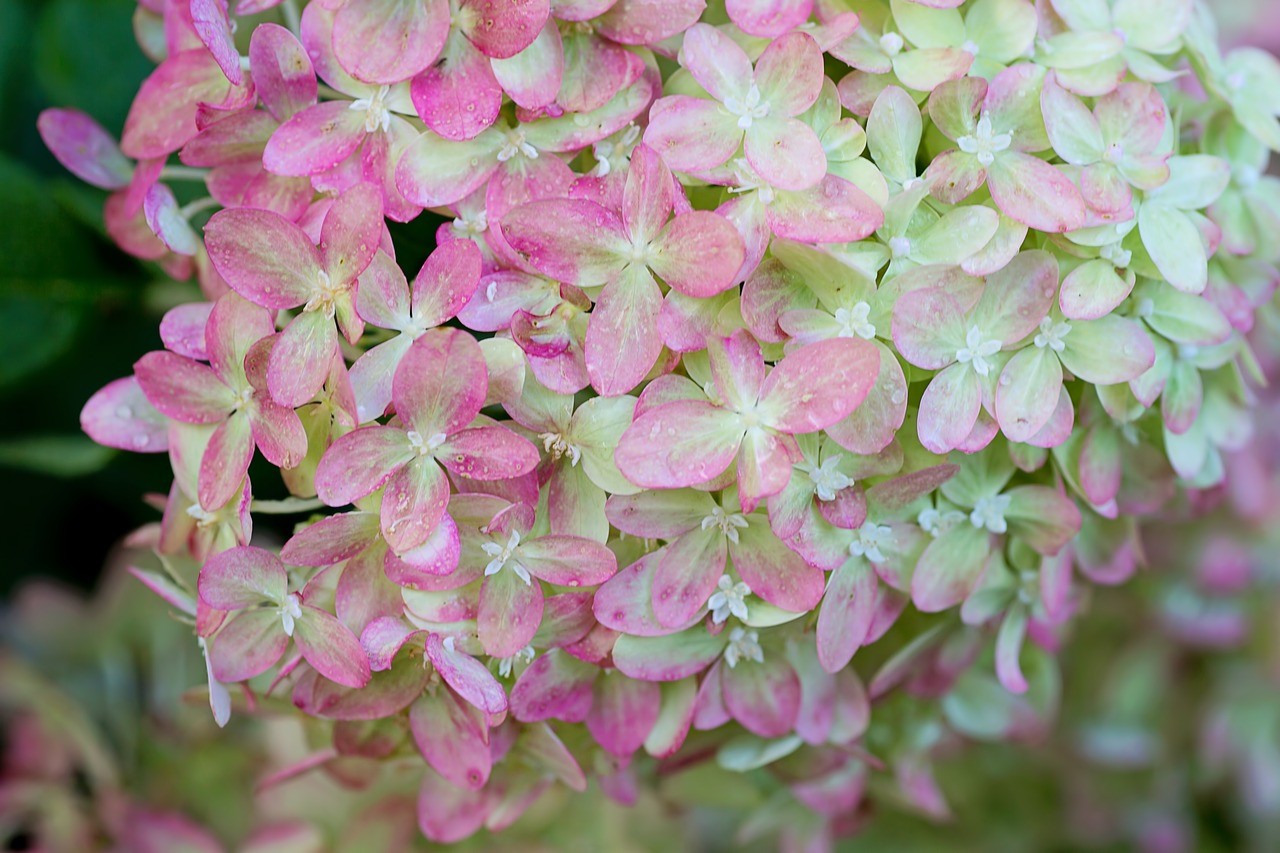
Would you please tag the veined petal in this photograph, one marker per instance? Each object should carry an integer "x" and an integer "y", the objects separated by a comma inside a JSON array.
[
  {"x": 183, "y": 389},
  {"x": 567, "y": 560},
  {"x": 1030, "y": 191},
  {"x": 692, "y": 134},
  {"x": 331, "y": 648},
  {"x": 300, "y": 360},
  {"x": 453, "y": 737},
  {"x": 622, "y": 342},
  {"x": 314, "y": 140},
  {"x": 263, "y": 256},
  {"x": 242, "y": 577},
  {"x": 413, "y": 504},
  {"x": 441, "y": 383},
  {"x": 571, "y": 240},
  {"x": 819, "y": 384},
  {"x": 687, "y": 575},
  {"x": 679, "y": 444},
  {"x": 358, "y": 463},
  {"x": 510, "y": 612}
]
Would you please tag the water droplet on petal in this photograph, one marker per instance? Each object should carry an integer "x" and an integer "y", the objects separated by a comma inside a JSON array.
[
  {"x": 141, "y": 440},
  {"x": 124, "y": 412}
]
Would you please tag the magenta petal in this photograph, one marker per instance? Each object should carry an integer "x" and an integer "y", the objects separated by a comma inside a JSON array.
[
  {"x": 278, "y": 432},
  {"x": 225, "y": 461},
  {"x": 242, "y": 577},
  {"x": 120, "y": 416},
  {"x": 679, "y": 444},
  {"x": 163, "y": 115},
  {"x": 623, "y": 713},
  {"x": 686, "y": 576},
  {"x": 351, "y": 233},
  {"x": 249, "y": 644},
  {"x": 624, "y": 603},
  {"x": 331, "y": 540},
  {"x": 659, "y": 515},
  {"x": 647, "y": 195},
  {"x": 263, "y": 256},
  {"x": 446, "y": 282},
  {"x": 359, "y": 463},
  {"x": 466, "y": 675},
  {"x": 453, "y": 737},
  {"x": 771, "y": 19},
  {"x": 699, "y": 254},
  {"x": 183, "y": 389},
  {"x": 773, "y": 571},
  {"x": 949, "y": 408},
  {"x": 331, "y": 648},
  {"x": 555, "y": 686},
  {"x": 314, "y": 140},
  {"x": 459, "y": 97},
  {"x": 646, "y": 22},
  {"x": 182, "y": 329},
  {"x": 282, "y": 71},
  {"x": 622, "y": 342},
  {"x": 301, "y": 359},
  {"x": 510, "y": 612},
  {"x": 763, "y": 697},
  {"x": 84, "y": 148},
  {"x": 785, "y": 152},
  {"x": 447, "y": 813},
  {"x": 413, "y": 503},
  {"x": 1009, "y": 647},
  {"x": 422, "y": 566},
  {"x": 567, "y": 560},
  {"x": 692, "y": 134},
  {"x": 213, "y": 25},
  {"x": 571, "y": 240},
  {"x": 387, "y": 41},
  {"x": 817, "y": 385},
  {"x": 441, "y": 383},
  {"x": 595, "y": 69},
  {"x": 488, "y": 453},
  {"x": 847, "y": 611}
]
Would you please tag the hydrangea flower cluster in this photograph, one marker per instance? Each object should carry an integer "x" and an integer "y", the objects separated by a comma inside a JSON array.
[{"x": 753, "y": 334}]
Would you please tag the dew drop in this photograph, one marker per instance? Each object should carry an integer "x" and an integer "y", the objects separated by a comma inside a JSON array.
[
  {"x": 897, "y": 397},
  {"x": 1005, "y": 380},
  {"x": 124, "y": 412},
  {"x": 141, "y": 440}
]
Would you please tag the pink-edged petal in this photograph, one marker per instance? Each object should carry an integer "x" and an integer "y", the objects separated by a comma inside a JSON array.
[
  {"x": 950, "y": 567},
  {"x": 488, "y": 453},
  {"x": 351, "y": 233},
  {"x": 503, "y": 28},
  {"x": 447, "y": 813},
  {"x": 413, "y": 504},
  {"x": 162, "y": 117},
  {"x": 453, "y": 736},
  {"x": 1030, "y": 191},
  {"x": 848, "y": 609},
  {"x": 1017, "y": 297},
  {"x": 1093, "y": 289},
  {"x": 571, "y": 240},
  {"x": 434, "y": 171},
  {"x": 249, "y": 644},
  {"x": 1027, "y": 392},
  {"x": 467, "y": 676},
  {"x": 953, "y": 176},
  {"x": 182, "y": 329},
  {"x": 1108, "y": 350},
  {"x": 648, "y": 21},
  {"x": 1008, "y": 648},
  {"x": 533, "y": 77},
  {"x": 372, "y": 374},
  {"x": 698, "y": 254},
  {"x": 647, "y": 195},
  {"x": 263, "y": 257},
  {"x": 314, "y": 140},
  {"x": 225, "y": 461},
  {"x": 949, "y": 409},
  {"x": 692, "y": 134},
  {"x": 624, "y": 603},
  {"x": 242, "y": 577},
  {"x": 213, "y": 26},
  {"x": 301, "y": 359},
  {"x": 668, "y": 658},
  {"x": 833, "y": 211},
  {"x": 278, "y": 432},
  {"x": 331, "y": 540},
  {"x": 441, "y": 383},
  {"x": 679, "y": 444},
  {"x": 85, "y": 148},
  {"x": 422, "y": 566},
  {"x": 1042, "y": 517},
  {"x": 763, "y": 697},
  {"x": 819, "y": 384},
  {"x": 737, "y": 368},
  {"x": 282, "y": 71},
  {"x": 717, "y": 62},
  {"x": 331, "y": 648},
  {"x": 360, "y": 462},
  {"x": 873, "y": 425},
  {"x": 1105, "y": 190},
  {"x": 594, "y": 70},
  {"x": 659, "y": 515},
  {"x": 555, "y": 686},
  {"x": 764, "y": 466},
  {"x": 785, "y": 152},
  {"x": 567, "y": 560},
  {"x": 789, "y": 73},
  {"x": 622, "y": 342},
  {"x": 387, "y": 41},
  {"x": 446, "y": 282},
  {"x": 686, "y": 576},
  {"x": 459, "y": 97},
  {"x": 623, "y": 713},
  {"x": 770, "y": 19},
  {"x": 774, "y": 572},
  {"x": 120, "y": 416},
  {"x": 510, "y": 612},
  {"x": 183, "y": 389}
]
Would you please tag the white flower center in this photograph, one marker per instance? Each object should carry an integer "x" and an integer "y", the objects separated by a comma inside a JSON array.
[
  {"x": 203, "y": 517},
  {"x": 747, "y": 108},
  {"x": 425, "y": 446},
  {"x": 475, "y": 225},
  {"x": 1116, "y": 254},
  {"x": 615, "y": 147},
  {"x": 728, "y": 599},
  {"x": 853, "y": 321},
  {"x": 290, "y": 611},
  {"x": 376, "y": 115},
  {"x": 558, "y": 446},
  {"x": 869, "y": 538},
  {"x": 977, "y": 350},
  {"x": 1052, "y": 334},
  {"x": 899, "y": 247},
  {"x": 1113, "y": 154},
  {"x": 749, "y": 180},
  {"x": 502, "y": 554},
  {"x": 936, "y": 523},
  {"x": 743, "y": 645},
  {"x": 514, "y": 143},
  {"x": 728, "y": 524},
  {"x": 989, "y": 512},
  {"x": 323, "y": 297},
  {"x": 985, "y": 142},
  {"x": 892, "y": 43},
  {"x": 827, "y": 479},
  {"x": 505, "y": 664}
]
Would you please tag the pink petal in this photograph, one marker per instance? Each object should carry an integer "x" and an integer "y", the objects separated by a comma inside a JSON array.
[
  {"x": 422, "y": 566},
  {"x": 555, "y": 686},
  {"x": 737, "y": 369},
  {"x": 834, "y": 211},
  {"x": 953, "y": 176},
  {"x": 213, "y": 25},
  {"x": 625, "y": 601},
  {"x": 458, "y": 97},
  {"x": 770, "y": 18},
  {"x": 763, "y": 697},
  {"x": 331, "y": 648},
  {"x": 453, "y": 737},
  {"x": 242, "y": 577},
  {"x": 647, "y": 195},
  {"x": 314, "y": 140},
  {"x": 692, "y": 134},
  {"x": 533, "y": 77},
  {"x": 359, "y": 463},
  {"x": 622, "y": 343},
  {"x": 668, "y": 658},
  {"x": 163, "y": 115},
  {"x": 648, "y": 21},
  {"x": 785, "y": 152},
  {"x": 949, "y": 408},
  {"x": 182, "y": 329},
  {"x": 1030, "y": 191},
  {"x": 717, "y": 62},
  {"x": 1016, "y": 298},
  {"x": 447, "y": 813},
  {"x": 687, "y": 575},
  {"x": 510, "y": 611},
  {"x": 570, "y": 240},
  {"x": 1027, "y": 392},
  {"x": 301, "y": 359},
  {"x": 385, "y": 41},
  {"x": 847, "y": 611},
  {"x": 467, "y": 676},
  {"x": 85, "y": 148},
  {"x": 446, "y": 282},
  {"x": 1008, "y": 648},
  {"x": 773, "y": 571},
  {"x": 764, "y": 466},
  {"x": 698, "y": 254},
  {"x": 789, "y": 72},
  {"x": 282, "y": 71},
  {"x": 183, "y": 389},
  {"x": 679, "y": 444},
  {"x": 488, "y": 453},
  {"x": 263, "y": 256},
  {"x": 873, "y": 425},
  {"x": 595, "y": 70},
  {"x": 441, "y": 382},
  {"x": 567, "y": 560},
  {"x": 413, "y": 504},
  {"x": 817, "y": 385},
  {"x": 331, "y": 540},
  {"x": 249, "y": 644},
  {"x": 120, "y": 416},
  {"x": 949, "y": 568},
  {"x": 503, "y": 28},
  {"x": 623, "y": 713},
  {"x": 350, "y": 234}
]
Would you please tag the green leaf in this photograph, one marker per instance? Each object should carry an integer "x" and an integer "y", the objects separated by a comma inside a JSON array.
[{"x": 60, "y": 456}]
